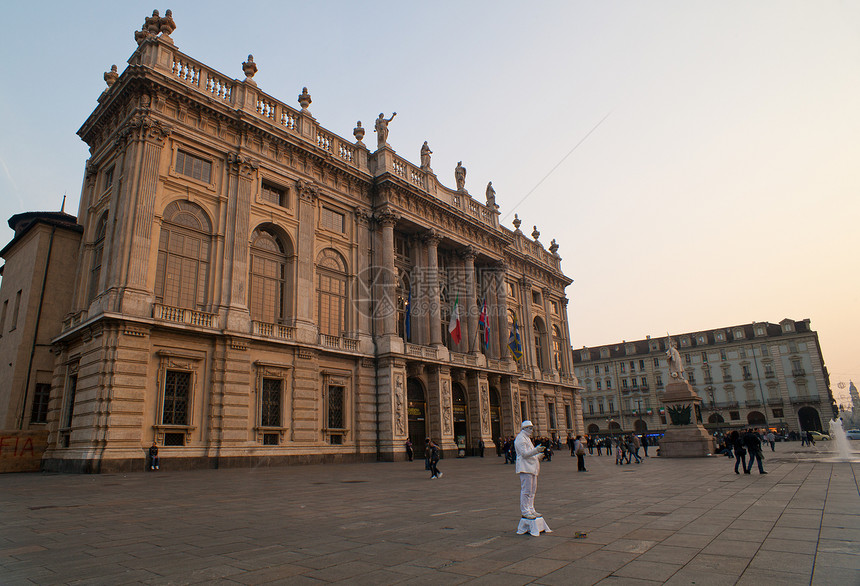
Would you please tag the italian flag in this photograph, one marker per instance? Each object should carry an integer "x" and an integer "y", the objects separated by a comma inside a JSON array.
[{"x": 454, "y": 325}]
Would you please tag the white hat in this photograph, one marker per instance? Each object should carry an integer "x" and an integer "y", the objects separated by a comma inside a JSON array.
[{"x": 527, "y": 423}]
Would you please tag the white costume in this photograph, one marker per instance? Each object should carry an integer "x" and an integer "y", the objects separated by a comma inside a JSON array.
[{"x": 528, "y": 467}]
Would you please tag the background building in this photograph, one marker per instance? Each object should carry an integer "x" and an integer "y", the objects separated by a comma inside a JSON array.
[
  {"x": 251, "y": 287},
  {"x": 760, "y": 374}
]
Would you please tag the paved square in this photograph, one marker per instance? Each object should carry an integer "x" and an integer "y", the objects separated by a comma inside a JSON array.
[{"x": 664, "y": 521}]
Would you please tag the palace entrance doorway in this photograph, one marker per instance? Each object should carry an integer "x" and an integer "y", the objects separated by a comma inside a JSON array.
[
  {"x": 460, "y": 412},
  {"x": 417, "y": 414}
]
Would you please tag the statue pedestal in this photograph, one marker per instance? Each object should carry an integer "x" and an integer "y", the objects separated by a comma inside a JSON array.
[
  {"x": 533, "y": 526},
  {"x": 685, "y": 437}
]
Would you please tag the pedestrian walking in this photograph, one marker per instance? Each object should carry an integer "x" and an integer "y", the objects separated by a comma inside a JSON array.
[
  {"x": 645, "y": 444},
  {"x": 481, "y": 447},
  {"x": 752, "y": 442},
  {"x": 579, "y": 450},
  {"x": 434, "y": 460},
  {"x": 740, "y": 452},
  {"x": 771, "y": 439},
  {"x": 409, "y": 452}
]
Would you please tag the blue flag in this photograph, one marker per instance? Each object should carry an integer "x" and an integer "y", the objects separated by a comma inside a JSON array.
[{"x": 514, "y": 342}]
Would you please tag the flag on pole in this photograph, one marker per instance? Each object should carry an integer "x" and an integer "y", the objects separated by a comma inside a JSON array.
[
  {"x": 514, "y": 342},
  {"x": 454, "y": 324},
  {"x": 484, "y": 323},
  {"x": 409, "y": 316}
]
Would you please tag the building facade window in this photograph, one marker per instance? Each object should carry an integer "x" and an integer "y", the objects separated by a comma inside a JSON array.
[
  {"x": 16, "y": 310},
  {"x": 193, "y": 166},
  {"x": 568, "y": 417},
  {"x": 332, "y": 220},
  {"x": 331, "y": 294},
  {"x": 177, "y": 392},
  {"x": 274, "y": 194},
  {"x": 182, "y": 270},
  {"x": 41, "y": 396},
  {"x": 267, "y": 287},
  {"x": 550, "y": 409},
  {"x": 270, "y": 411},
  {"x": 98, "y": 251}
]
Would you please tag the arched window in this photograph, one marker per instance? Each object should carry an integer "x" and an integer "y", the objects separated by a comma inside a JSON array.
[
  {"x": 539, "y": 334},
  {"x": 557, "y": 361},
  {"x": 331, "y": 293},
  {"x": 98, "y": 251},
  {"x": 182, "y": 272},
  {"x": 267, "y": 285},
  {"x": 404, "y": 286}
]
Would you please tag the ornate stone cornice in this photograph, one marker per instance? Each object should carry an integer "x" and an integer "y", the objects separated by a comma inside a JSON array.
[{"x": 242, "y": 164}]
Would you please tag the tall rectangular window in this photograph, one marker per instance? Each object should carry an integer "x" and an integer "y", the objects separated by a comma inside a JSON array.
[
  {"x": 550, "y": 408},
  {"x": 194, "y": 167},
  {"x": 523, "y": 410},
  {"x": 611, "y": 405},
  {"x": 16, "y": 310},
  {"x": 336, "y": 419},
  {"x": 597, "y": 385},
  {"x": 39, "y": 412},
  {"x": 3, "y": 316},
  {"x": 177, "y": 391},
  {"x": 271, "y": 403},
  {"x": 72, "y": 388},
  {"x": 568, "y": 418},
  {"x": 108, "y": 179}
]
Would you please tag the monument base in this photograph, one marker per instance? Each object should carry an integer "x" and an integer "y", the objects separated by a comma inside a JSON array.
[
  {"x": 533, "y": 526},
  {"x": 685, "y": 437},
  {"x": 691, "y": 441}
]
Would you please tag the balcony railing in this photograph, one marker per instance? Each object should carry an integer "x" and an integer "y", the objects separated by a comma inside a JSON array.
[
  {"x": 180, "y": 315},
  {"x": 459, "y": 358},
  {"x": 805, "y": 399},
  {"x": 339, "y": 342},
  {"x": 421, "y": 351},
  {"x": 269, "y": 330},
  {"x": 747, "y": 376},
  {"x": 798, "y": 372},
  {"x": 775, "y": 401}
]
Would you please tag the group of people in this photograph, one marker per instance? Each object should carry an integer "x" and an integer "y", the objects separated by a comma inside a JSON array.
[{"x": 746, "y": 442}]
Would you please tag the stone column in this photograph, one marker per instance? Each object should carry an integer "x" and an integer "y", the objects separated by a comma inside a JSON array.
[
  {"x": 527, "y": 325},
  {"x": 431, "y": 278},
  {"x": 439, "y": 425},
  {"x": 147, "y": 136},
  {"x": 502, "y": 309},
  {"x": 306, "y": 326},
  {"x": 470, "y": 336},
  {"x": 545, "y": 291},
  {"x": 385, "y": 305},
  {"x": 364, "y": 282},
  {"x": 565, "y": 342},
  {"x": 492, "y": 311},
  {"x": 234, "y": 294},
  {"x": 510, "y": 397}
]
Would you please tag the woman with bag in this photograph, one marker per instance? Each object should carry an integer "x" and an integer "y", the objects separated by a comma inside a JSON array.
[
  {"x": 579, "y": 450},
  {"x": 740, "y": 451}
]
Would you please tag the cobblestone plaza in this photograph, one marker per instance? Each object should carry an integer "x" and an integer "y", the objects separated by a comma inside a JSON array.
[{"x": 665, "y": 521}]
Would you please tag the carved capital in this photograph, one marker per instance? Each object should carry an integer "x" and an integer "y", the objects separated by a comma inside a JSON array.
[
  {"x": 546, "y": 291},
  {"x": 91, "y": 172},
  {"x": 431, "y": 237},
  {"x": 385, "y": 217},
  {"x": 241, "y": 164},
  {"x": 307, "y": 190},
  {"x": 363, "y": 216},
  {"x": 468, "y": 253},
  {"x": 146, "y": 128},
  {"x": 525, "y": 282}
]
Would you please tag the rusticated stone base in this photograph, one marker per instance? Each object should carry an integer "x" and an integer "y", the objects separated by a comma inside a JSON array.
[{"x": 690, "y": 441}]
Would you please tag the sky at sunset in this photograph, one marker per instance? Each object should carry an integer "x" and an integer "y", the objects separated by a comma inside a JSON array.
[{"x": 697, "y": 162}]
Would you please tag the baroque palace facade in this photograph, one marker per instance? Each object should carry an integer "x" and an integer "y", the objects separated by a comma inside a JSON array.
[
  {"x": 760, "y": 374},
  {"x": 252, "y": 288}
]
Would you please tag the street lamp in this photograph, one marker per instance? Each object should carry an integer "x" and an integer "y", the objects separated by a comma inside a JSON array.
[{"x": 639, "y": 411}]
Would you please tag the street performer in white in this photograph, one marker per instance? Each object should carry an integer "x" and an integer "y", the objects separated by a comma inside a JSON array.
[{"x": 528, "y": 467}]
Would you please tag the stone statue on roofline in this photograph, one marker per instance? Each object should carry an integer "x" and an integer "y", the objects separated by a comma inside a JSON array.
[
  {"x": 166, "y": 24},
  {"x": 381, "y": 129},
  {"x": 425, "y": 156},
  {"x": 491, "y": 195},
  {"x": 155, "y": 24},
  {"x": 460, "y": 176}
]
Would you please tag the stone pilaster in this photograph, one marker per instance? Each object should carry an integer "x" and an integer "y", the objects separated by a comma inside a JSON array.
[
  {"x": 241, "y": 171},
  {"x": 146, "y": 137},
  {"x": 306, "y": 327},
  {"x": 385, "y": 308},
  {"x": 470, "y": 336},
  {"x": 432, "y": 279},
  {"x": 503, "y": 333}
]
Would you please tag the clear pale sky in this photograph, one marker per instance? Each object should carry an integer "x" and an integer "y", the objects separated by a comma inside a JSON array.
[{"x": 721, "y": 188}]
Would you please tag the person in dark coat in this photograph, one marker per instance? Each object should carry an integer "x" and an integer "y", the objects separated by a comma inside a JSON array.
[
  {"x": 752, "y": 442},
  {"x": 740, "y": 452}
]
